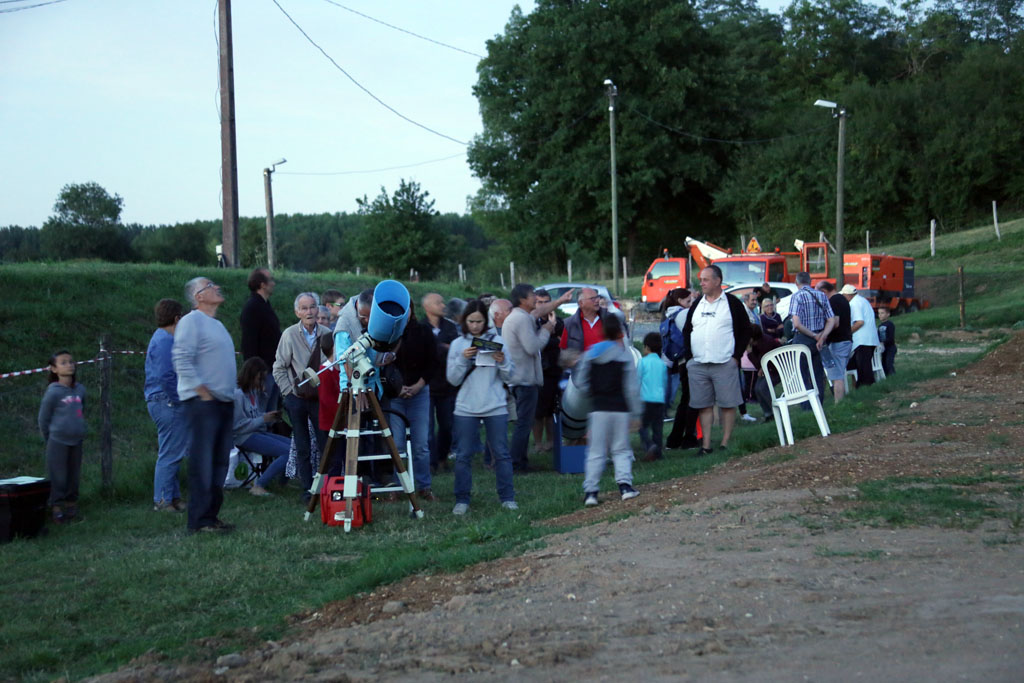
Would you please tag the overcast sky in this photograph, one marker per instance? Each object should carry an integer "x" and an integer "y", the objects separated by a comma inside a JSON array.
[{"x": 125, "y": 93}]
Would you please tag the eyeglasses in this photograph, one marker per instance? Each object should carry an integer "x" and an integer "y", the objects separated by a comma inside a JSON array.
[
  {"x": 336, "y": 305},
  {"x": 208, "y": 285}
]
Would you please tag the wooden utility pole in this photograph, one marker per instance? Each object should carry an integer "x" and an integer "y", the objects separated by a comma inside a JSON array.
[
  {"x": 228, "y": 153},
  {"x": 963, "y": 302},
  {"x": 269, "y": 193},
  {"x": 106, "y": 420},
  {"x": 613, "y": 92}
]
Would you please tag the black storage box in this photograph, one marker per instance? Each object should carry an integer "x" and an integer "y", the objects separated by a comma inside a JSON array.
[{"x": 22, "y": 506}]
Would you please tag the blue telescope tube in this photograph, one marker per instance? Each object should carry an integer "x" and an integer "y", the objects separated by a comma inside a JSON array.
[{"x": 389, "y": 313}]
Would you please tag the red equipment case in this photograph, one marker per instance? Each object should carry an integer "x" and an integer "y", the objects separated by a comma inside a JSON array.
[
  {"x": 332, "y": 503},
  {"x": 22, "y": 507}
]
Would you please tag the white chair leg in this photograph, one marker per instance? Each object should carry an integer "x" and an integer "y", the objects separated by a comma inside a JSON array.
[
  {"x": 787, "y": 425},
  {"x": 819, "y": 415},
  {"x": 778, "y": 425}
]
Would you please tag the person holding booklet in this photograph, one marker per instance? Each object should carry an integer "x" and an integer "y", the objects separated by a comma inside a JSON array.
[{"x": 479, "y": 369}]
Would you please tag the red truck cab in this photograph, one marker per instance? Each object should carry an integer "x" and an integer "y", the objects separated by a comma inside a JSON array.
[{"x": 663, "y": 275}]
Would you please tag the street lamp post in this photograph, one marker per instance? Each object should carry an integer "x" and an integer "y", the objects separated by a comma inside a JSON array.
[
  {"x": 270, "y": 210},
  {"x": 839, "y": 113},
  {"x": 612, "y": 94}
]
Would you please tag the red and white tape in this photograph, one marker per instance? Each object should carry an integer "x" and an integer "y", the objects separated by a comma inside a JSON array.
[{"x": 19, "y": 373}]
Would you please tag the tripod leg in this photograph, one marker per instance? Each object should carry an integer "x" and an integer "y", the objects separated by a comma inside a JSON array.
[
  {"x": 351, "y": 488},
  {"x": 403, "y": 474},
  {"x": 325, "y": 458}
]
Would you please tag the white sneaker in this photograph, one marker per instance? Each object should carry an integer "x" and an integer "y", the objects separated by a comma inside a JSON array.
[
  {"x": 510, "y": 505},
  {"x": 590, "y": 500},
  {"x": 628, "y": 491},
  {"x": 748, "y": 418},
  {"x": 460, "y": 509}
]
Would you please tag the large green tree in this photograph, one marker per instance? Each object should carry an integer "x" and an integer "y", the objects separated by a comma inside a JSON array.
[
  {"x": 399, "y": 232},
  {"x": 544, "y": 155},
  {"x": 86, "y": 224}
]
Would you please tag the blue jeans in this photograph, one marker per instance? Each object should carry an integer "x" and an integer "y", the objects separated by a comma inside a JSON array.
[
  {"x": 209, "y": 425},
  {"x": 303, "y": 412},
  {"x": 671, "y": 387},
  {"x": 269, "y": 446},
  {"x": 442, "y": 409},
  {"x": 467, "y": 435},
  {"x": 526, "y": 409},
  {"x": 172, "y": 444},
  {"x": 417, "y": 410}
]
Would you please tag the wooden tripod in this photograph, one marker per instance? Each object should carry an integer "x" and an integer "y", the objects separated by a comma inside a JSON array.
[{"x": 349, "y": 410}]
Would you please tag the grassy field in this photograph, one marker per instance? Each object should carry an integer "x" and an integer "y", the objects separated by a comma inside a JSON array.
[{"x": 89, "y": 597}]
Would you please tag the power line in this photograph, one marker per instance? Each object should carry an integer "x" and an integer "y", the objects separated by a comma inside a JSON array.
[
  {"x": 361, "y": 86},
  {"x": 372, "y": 170},
  {"x": 18, "y": 9},
  {"x": 398, "y": 28},
  {"x": 702, "y": 138}
]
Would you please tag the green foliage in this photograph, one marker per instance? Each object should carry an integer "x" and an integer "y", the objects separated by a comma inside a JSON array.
[
  {"x": 18, "y": 244},
  {"x": 87, "y": 224},
  {"x": 399, "y": 232},
  {"x": 188, "y": 243}
]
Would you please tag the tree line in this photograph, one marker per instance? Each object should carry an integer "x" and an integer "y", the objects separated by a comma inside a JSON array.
[{"x": 716, "y": 136}]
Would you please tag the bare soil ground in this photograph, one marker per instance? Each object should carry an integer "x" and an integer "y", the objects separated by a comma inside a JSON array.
[{"x": 751, "y": 571}]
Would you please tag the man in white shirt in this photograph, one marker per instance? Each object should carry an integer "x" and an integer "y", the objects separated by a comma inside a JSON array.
[
  {"x": 717, "y": 331},
  {"x": 865, "y": 334}
]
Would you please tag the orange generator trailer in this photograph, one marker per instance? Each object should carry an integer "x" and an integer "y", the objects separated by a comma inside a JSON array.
[{"x": 886, "y": 281}]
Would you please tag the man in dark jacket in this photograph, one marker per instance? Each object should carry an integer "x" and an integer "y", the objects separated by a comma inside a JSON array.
[
  {"x": 717, "y": 331},
  {"x": 442, "y": 394},
  {"x": 261, "y": 329}
]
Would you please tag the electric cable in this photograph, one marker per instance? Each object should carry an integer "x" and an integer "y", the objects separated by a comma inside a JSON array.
[
  {"x": 360, "y": 85},
  {"x": 398, "y": 28},
  {"x": 372, "y": 170},
  {"x": 702, "y": 138},
  {"x": 19, "y": 9}
]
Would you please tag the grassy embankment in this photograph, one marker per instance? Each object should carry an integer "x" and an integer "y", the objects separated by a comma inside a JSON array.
[{"x": 89, "y": 597}]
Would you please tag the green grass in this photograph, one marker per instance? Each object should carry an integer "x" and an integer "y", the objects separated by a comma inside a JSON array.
[
  {"x": 957, "y": 502},
  {"x": 89, "y": 597}
]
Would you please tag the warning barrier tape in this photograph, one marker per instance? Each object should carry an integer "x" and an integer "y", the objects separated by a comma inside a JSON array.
[{"x": 19, "y": 373}]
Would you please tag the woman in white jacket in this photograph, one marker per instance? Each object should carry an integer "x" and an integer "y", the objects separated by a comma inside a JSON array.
[{"x": 480, "y": 377}]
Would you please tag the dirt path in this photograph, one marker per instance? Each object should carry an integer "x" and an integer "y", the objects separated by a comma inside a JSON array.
[{"x": 749, "y": 572}]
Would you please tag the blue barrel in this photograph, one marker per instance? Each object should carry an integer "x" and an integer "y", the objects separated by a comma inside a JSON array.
[{"x": 388, "y": 314}]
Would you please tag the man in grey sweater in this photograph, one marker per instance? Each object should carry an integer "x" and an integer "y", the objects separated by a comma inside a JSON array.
[
  {"x": 525, "y": 332},
  {"x": 204, "y": 359}
]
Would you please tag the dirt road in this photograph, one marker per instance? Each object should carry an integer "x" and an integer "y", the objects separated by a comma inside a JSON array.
[{"x": 753, "y": 571}]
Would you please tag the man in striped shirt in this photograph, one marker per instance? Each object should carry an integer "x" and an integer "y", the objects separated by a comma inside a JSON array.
[{"x": 813, "y": 320}]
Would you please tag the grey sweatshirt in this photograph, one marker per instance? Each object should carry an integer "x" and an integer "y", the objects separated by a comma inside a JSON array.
[
  {"x": 60, "y": 414},
  {"x": 523, "y": 344},
  {"x": 203, "y": 353},
  {"x": 481, "y": 394}
]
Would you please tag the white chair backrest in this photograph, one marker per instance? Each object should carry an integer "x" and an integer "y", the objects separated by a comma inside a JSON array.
[
  {"x": 876, "y": 361},
  {"x": 787, "y": 360}
]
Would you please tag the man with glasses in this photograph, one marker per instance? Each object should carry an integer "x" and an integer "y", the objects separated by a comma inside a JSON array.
[
  {"x": 583, "y": 329},
  {"x": 204, "y": 359},
  {"x": 261, "y": 329}
]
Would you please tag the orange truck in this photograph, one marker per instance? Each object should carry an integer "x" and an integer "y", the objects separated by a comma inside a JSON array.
[
  {"x": 886, "y": 281},
  {"x": 663, "y": 275}
]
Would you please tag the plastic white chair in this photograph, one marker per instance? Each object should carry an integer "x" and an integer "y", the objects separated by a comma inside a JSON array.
[
  {"x": 787, "y": 361},
  {"x": 876, "y": 364}
]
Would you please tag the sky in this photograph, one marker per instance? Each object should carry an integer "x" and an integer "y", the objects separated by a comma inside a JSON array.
[{"x": 124, "y": 93}]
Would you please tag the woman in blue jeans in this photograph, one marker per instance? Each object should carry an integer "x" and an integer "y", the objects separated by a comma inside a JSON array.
[
  {"x": 161, "y": 392},
  {"x": 250, "y": 425},
  {"x": 480, "y": 376}
]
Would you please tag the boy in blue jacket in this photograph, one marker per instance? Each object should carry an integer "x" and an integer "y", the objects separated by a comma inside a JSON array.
[{"x": 653, "y": 375}]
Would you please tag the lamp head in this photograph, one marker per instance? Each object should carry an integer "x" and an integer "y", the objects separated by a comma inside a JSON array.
[{"x": 825, "y": 103}]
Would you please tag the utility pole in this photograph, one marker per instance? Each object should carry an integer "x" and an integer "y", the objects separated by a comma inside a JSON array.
[
  {"x": 268, "y": 192},
  {"x": 228, "y": 152},
  {"x": 840, "y": 172},
  {"x": 612, "y": 94}
]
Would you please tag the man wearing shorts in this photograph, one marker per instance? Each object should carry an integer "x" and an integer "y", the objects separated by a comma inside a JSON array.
[
  {"x": 839, "y": 343},
  {"x": 716, "y": 332}
]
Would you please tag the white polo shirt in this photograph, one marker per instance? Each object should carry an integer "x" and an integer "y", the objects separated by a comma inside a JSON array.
[
  {"x": 860, "y": 309},
  {"x": 712, "y": 339}
]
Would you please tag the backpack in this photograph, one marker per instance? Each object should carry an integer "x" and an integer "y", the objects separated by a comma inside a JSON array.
[{"x": 672, "y": 341}]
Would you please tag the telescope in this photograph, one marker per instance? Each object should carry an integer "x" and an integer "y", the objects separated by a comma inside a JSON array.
[{"x": 389, "y": 314}]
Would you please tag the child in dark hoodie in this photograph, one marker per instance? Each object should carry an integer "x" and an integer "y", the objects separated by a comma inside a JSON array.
[
  {"x": 607, "y": 376},
  {"x": 62, "y": 425}
]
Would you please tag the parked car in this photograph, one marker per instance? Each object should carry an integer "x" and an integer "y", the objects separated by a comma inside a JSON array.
[
  {"x": 557, "y": 289},
  {"x": 781, "y": 292}
]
